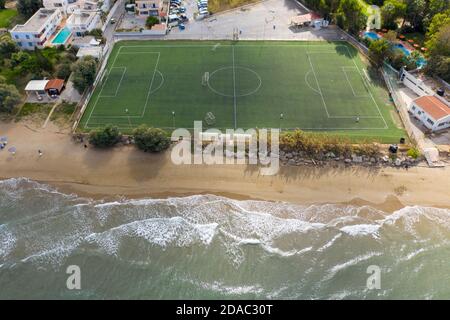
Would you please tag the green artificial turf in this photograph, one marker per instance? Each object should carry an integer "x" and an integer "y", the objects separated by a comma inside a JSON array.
[{"x": 314, "y": 85}]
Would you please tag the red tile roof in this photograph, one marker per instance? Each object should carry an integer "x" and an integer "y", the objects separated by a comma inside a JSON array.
[
  {"x": 57, "y": 84},
  {"x": 433, "y": 106}
]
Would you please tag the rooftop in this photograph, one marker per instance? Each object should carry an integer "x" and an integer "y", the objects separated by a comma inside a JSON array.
[
  {"x": 81, "y": 17},
  {"x": 36, "y": 21},
  {"x": 432, "y": 105}
]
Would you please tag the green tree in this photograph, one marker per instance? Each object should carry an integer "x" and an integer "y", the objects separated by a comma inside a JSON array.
[
  {"x": 415, "y": 10},
  {"x": 84, "y": 71},
  {"x": 438, "y": 21},
  {"x": 9, "y": 96},
  {"x": 378, "y": 51},
  {"x": 27, "y": 8},
  {"x": 7, "y": 47},
  {"x": 351, "y": 15},
  {"x": 439, "y": 53},
  {"x": 151, "y": 21},
  {"x": 63, "y": 71},
  {"x": 391, "y": 11},
  {"x": 151, "y": 139},
  {"x": 105, "y": 137},
  {"x": 2, "y": 4},
  {"x": 435, "y": 7}
]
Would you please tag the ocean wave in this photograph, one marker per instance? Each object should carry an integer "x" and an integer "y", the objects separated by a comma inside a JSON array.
[{"x": 53, "y": 229}]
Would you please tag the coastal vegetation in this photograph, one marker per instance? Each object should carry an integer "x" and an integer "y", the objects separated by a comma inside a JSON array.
[
  {"x": 105, "y": 137},
  {"x": 84, "y": 72},
  {"x": 316, "y": 145},
  {"x": 151, "y": 139}
]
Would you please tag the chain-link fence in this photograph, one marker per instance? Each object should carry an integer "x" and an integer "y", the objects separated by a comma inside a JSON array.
[{"x": 391, "y": 77}]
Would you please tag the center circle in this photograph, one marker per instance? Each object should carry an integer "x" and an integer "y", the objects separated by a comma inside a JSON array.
[{"x": 234, "y": 81}]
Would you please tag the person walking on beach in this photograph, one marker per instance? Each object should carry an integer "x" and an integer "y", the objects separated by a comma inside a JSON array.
[{"x": 40, "y": 153}]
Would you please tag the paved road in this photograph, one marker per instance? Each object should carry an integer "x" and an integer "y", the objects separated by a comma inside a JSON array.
[
  {"x": 109, "y": 31},
  {"x": 262, "y": 21}
]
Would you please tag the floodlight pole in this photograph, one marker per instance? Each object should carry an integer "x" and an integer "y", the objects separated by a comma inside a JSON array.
[
  {"x": 128, "y": 116},
  {"x": 173, "y": 119}
]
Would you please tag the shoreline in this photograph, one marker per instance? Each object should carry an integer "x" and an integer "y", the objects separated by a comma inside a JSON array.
[{"x": 127, "y": 172}]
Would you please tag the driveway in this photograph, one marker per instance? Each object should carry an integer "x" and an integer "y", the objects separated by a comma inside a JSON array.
[{"x": 266, "y": 20}]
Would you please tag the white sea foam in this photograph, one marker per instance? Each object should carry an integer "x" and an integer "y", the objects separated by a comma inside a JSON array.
[{"x": 361, "y": 230}]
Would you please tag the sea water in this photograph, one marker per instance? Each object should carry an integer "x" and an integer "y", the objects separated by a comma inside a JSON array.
[{"x": 213, "y": 247}]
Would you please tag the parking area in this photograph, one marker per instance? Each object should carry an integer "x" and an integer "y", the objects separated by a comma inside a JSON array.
[{"x": 265, "y": 20}]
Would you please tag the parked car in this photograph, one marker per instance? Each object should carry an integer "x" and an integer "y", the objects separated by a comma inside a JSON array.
[
  {"x": 203, "y": 11},
  {"x": 182, "y": 9},
  {"x": 183, "y": 17}
]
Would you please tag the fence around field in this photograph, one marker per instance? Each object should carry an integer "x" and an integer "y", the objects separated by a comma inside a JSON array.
[
  {"x": 82, "y": 105},
  {"x": 391, "y": 78}
]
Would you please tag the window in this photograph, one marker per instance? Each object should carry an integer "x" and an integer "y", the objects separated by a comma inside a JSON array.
[
  {"x": 27, "y": 36},
  {"x": 430, "y": 121},
  {"x": 19, "y": 44},
  {"x": 30, "y": 44},
  {"x": 154, "y": 5},
  {"x": 16, "y": 36}
]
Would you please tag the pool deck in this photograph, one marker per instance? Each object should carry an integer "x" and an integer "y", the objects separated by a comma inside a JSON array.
[{"x": 61, "y": 26}]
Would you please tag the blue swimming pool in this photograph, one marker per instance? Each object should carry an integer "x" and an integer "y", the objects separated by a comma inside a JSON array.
[
  {"x": 62, "y": 36},
  {"x": 420, "y": 62},
  {"x": 371, "y": 35}
]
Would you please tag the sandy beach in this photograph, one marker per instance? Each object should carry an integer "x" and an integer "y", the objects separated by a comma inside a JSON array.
[{"x": 126, "y": 172}]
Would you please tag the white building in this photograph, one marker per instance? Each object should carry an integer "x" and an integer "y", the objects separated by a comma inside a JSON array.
[
  {"x": 70, "y": 6},
  {"x": 432, "y": 111},
  {"x": 56, "y": 4},
  {"x": 81, "y": 22},
  {"x": 37, "y": 30}
]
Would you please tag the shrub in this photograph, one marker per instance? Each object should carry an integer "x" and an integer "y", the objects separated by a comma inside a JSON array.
[
  {"x": 105, "y": 137},
  {"x": 151, "y": 21},
  {"x": 151, "y": 139},
  {"x": 413, "y": 153},
  {"x": 63, "y": 71}
]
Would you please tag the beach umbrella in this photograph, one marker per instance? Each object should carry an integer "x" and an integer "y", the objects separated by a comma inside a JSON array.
[
  {"x": 410, "y": 40},
  {"x": 12, "y": 150},
  {"x": 423, "y": 49},
  {"x": 401, "y": 36},
  {"x": 416, "y": 45}
]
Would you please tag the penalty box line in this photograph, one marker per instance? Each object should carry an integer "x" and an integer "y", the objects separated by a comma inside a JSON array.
[
  {"x": 112, "y": 67},
  {"x": 323, "y": 98}
]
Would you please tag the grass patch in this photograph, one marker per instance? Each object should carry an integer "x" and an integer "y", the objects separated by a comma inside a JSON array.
[
  {"x": 36, "y": 112},
  {"x": 63, "y": 112},
  {"x": 6, "y": 17},
  {"x": 221, "y": 5}
]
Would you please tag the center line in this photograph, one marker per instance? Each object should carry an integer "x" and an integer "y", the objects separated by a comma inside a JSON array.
[{"x": 234, "y": 89}]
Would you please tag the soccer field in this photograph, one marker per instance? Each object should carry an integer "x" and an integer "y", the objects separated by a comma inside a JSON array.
[{"x": 307, "y": 85}]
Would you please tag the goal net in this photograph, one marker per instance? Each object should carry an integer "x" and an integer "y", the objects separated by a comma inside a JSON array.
[
  {"x": 205, "y": 78},
  {"x": 210, "y": 119}
]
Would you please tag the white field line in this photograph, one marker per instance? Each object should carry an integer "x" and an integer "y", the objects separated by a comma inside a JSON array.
[
  {"x": 371, "y": 95},
  {"x": 125, "y": 126},
  {"x": 103, "y": 85},
  {"x": 318, "y": 86},
  {"x": 234, "y": 91},
  {"x": 228, "y": 45},
  {"x": 351, "y": 87},
  {"x": 249, "y": 45},
  {"x": 120, "y": 82}
]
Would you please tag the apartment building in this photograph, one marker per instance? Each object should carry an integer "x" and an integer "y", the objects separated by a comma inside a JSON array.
[
  {"x": 80, "y": 22},
  {"x": 145, "y": 8},
  {"x": 38, "y": 29}
]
